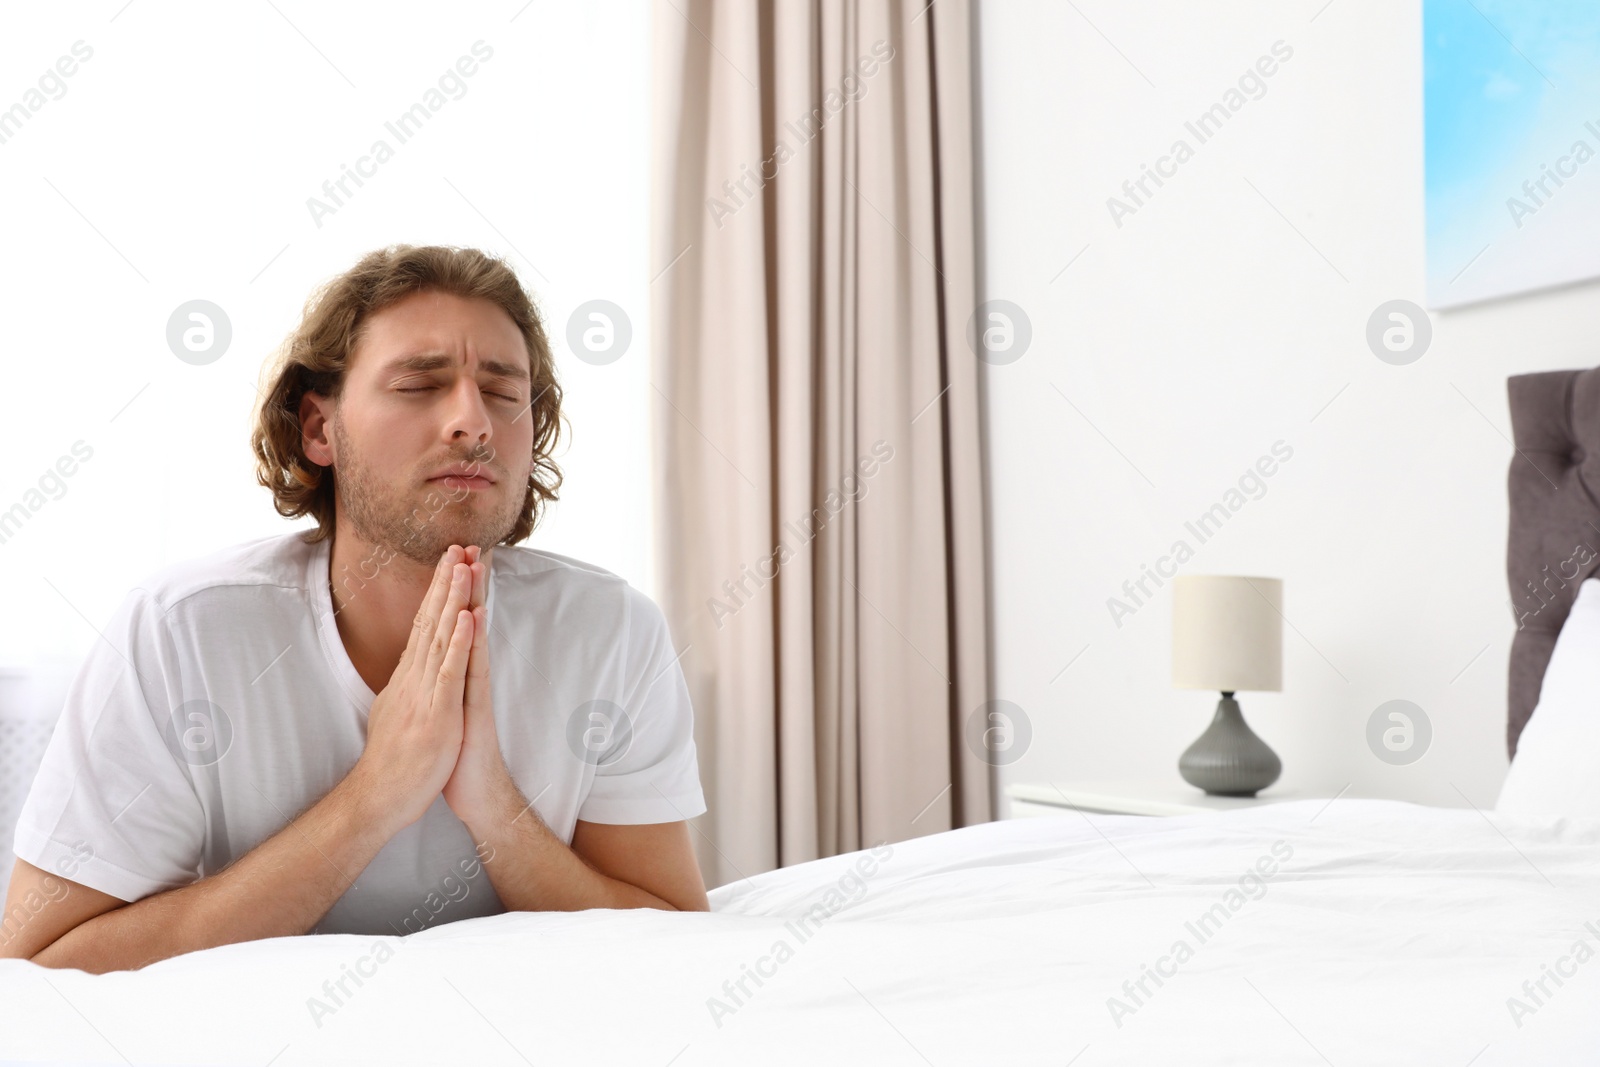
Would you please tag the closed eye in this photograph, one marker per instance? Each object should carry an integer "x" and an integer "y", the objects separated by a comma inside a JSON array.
[{"x": 425, "y": 388}]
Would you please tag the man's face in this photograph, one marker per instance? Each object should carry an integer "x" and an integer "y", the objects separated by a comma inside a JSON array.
[{"x": 437, "y": 383}]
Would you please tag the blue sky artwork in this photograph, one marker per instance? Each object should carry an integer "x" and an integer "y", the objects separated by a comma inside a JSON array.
[{"x": 1511, "y": 117}]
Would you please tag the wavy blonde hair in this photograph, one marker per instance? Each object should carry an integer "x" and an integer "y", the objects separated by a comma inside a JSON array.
[{"x": 315, "y": 356}]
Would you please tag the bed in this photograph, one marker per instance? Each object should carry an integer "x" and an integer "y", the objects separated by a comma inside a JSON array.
[
  {"x": 1385, "y": 933},
  {"x": 1344, "y": 931}
]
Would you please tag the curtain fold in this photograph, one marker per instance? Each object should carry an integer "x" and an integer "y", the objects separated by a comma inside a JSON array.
[{"x": 818, "y": 466}]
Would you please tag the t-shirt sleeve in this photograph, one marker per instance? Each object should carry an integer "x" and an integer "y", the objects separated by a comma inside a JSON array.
[
  {"x": 113, "y": 806},
  {"x": 650, "y": 772}
]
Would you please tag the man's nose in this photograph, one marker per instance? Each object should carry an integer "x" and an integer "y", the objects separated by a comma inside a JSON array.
[{"x": 467, "y": 416}]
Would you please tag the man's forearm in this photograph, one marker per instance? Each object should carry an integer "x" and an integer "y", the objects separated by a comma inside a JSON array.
[
  {"x": 280, "y": 888},
  {"x": 534, "y": 870}
]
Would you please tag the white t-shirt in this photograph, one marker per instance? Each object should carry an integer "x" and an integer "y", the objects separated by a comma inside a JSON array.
[{"x": 222, "y": 703}]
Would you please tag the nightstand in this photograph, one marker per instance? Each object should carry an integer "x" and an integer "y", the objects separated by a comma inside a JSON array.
[{"x": 1175, "y": 797}]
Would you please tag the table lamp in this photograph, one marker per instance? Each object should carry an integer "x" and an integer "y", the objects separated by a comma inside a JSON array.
[{"x": 1227, "y": 636}]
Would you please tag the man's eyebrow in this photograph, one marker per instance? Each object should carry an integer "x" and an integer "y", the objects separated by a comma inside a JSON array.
[{"x": 495, "y": 368}]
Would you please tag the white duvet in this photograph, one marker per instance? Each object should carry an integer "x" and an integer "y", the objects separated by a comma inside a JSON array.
[{"x": 1356, "y": 932}]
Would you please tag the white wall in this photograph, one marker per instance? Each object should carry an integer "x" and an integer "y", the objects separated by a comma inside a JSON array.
[
  {"x": 1201, "y": 331},
  {"x": 188, "y": 146}
]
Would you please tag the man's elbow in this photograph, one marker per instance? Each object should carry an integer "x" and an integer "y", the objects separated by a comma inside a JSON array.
[
  {"x": 677, "y": 902},
  {"x": 60, "y": 955},
  {"x": 697, "y": 903}
]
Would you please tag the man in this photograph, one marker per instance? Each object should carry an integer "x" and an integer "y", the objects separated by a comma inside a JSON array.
[{"x": 387, "y": 722}]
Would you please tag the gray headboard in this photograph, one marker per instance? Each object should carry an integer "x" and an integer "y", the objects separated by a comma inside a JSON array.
[{"x": 1554, "y": 538}]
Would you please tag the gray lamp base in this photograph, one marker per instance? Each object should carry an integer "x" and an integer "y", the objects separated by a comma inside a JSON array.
[{"x": 1229, "y": 760}]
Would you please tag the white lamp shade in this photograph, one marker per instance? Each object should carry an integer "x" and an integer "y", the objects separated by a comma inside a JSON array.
[{"x": 1227, "y": 633}]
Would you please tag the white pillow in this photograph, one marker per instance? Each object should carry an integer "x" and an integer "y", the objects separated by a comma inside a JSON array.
[{"x": 1554, "y": 773}]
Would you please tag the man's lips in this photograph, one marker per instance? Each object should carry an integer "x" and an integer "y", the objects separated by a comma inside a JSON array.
[{"x": 460, "y": 481}]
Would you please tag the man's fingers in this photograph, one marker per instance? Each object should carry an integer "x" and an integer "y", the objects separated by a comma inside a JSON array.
[
  {"x": 455, "y": 598},
  {"x": 430, "y": 611},
  {"x": 477, "y": 690},
  {"x": 439, "y": 591},
  {"x": 479, "y": 563},
  {"x": 425, "y": 622},
  {"x": 480, "y": 633},
  {"x": 450, "y": 685}
]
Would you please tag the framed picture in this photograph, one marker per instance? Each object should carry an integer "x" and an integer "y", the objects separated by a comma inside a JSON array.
[{"x": 1511, "y": 116}]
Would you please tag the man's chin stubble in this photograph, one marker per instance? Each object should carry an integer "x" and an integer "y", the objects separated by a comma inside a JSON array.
[
  {"x": 423, "y": 530},
  {"x": 424, "y": 540},
  {"x": 418, "y": 530}
]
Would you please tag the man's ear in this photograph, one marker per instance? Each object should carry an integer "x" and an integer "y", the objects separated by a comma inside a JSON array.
[{"x": 315, "y": 412}]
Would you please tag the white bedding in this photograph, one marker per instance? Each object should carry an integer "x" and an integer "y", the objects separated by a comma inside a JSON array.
[{"x": 1392, "y": 933}]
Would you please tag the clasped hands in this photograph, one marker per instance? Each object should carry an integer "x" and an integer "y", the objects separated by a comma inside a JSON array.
[{"x": 431, "y": 731}]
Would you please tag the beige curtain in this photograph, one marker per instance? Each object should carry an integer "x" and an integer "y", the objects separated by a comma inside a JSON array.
[{"x": 818, "y": 470}]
